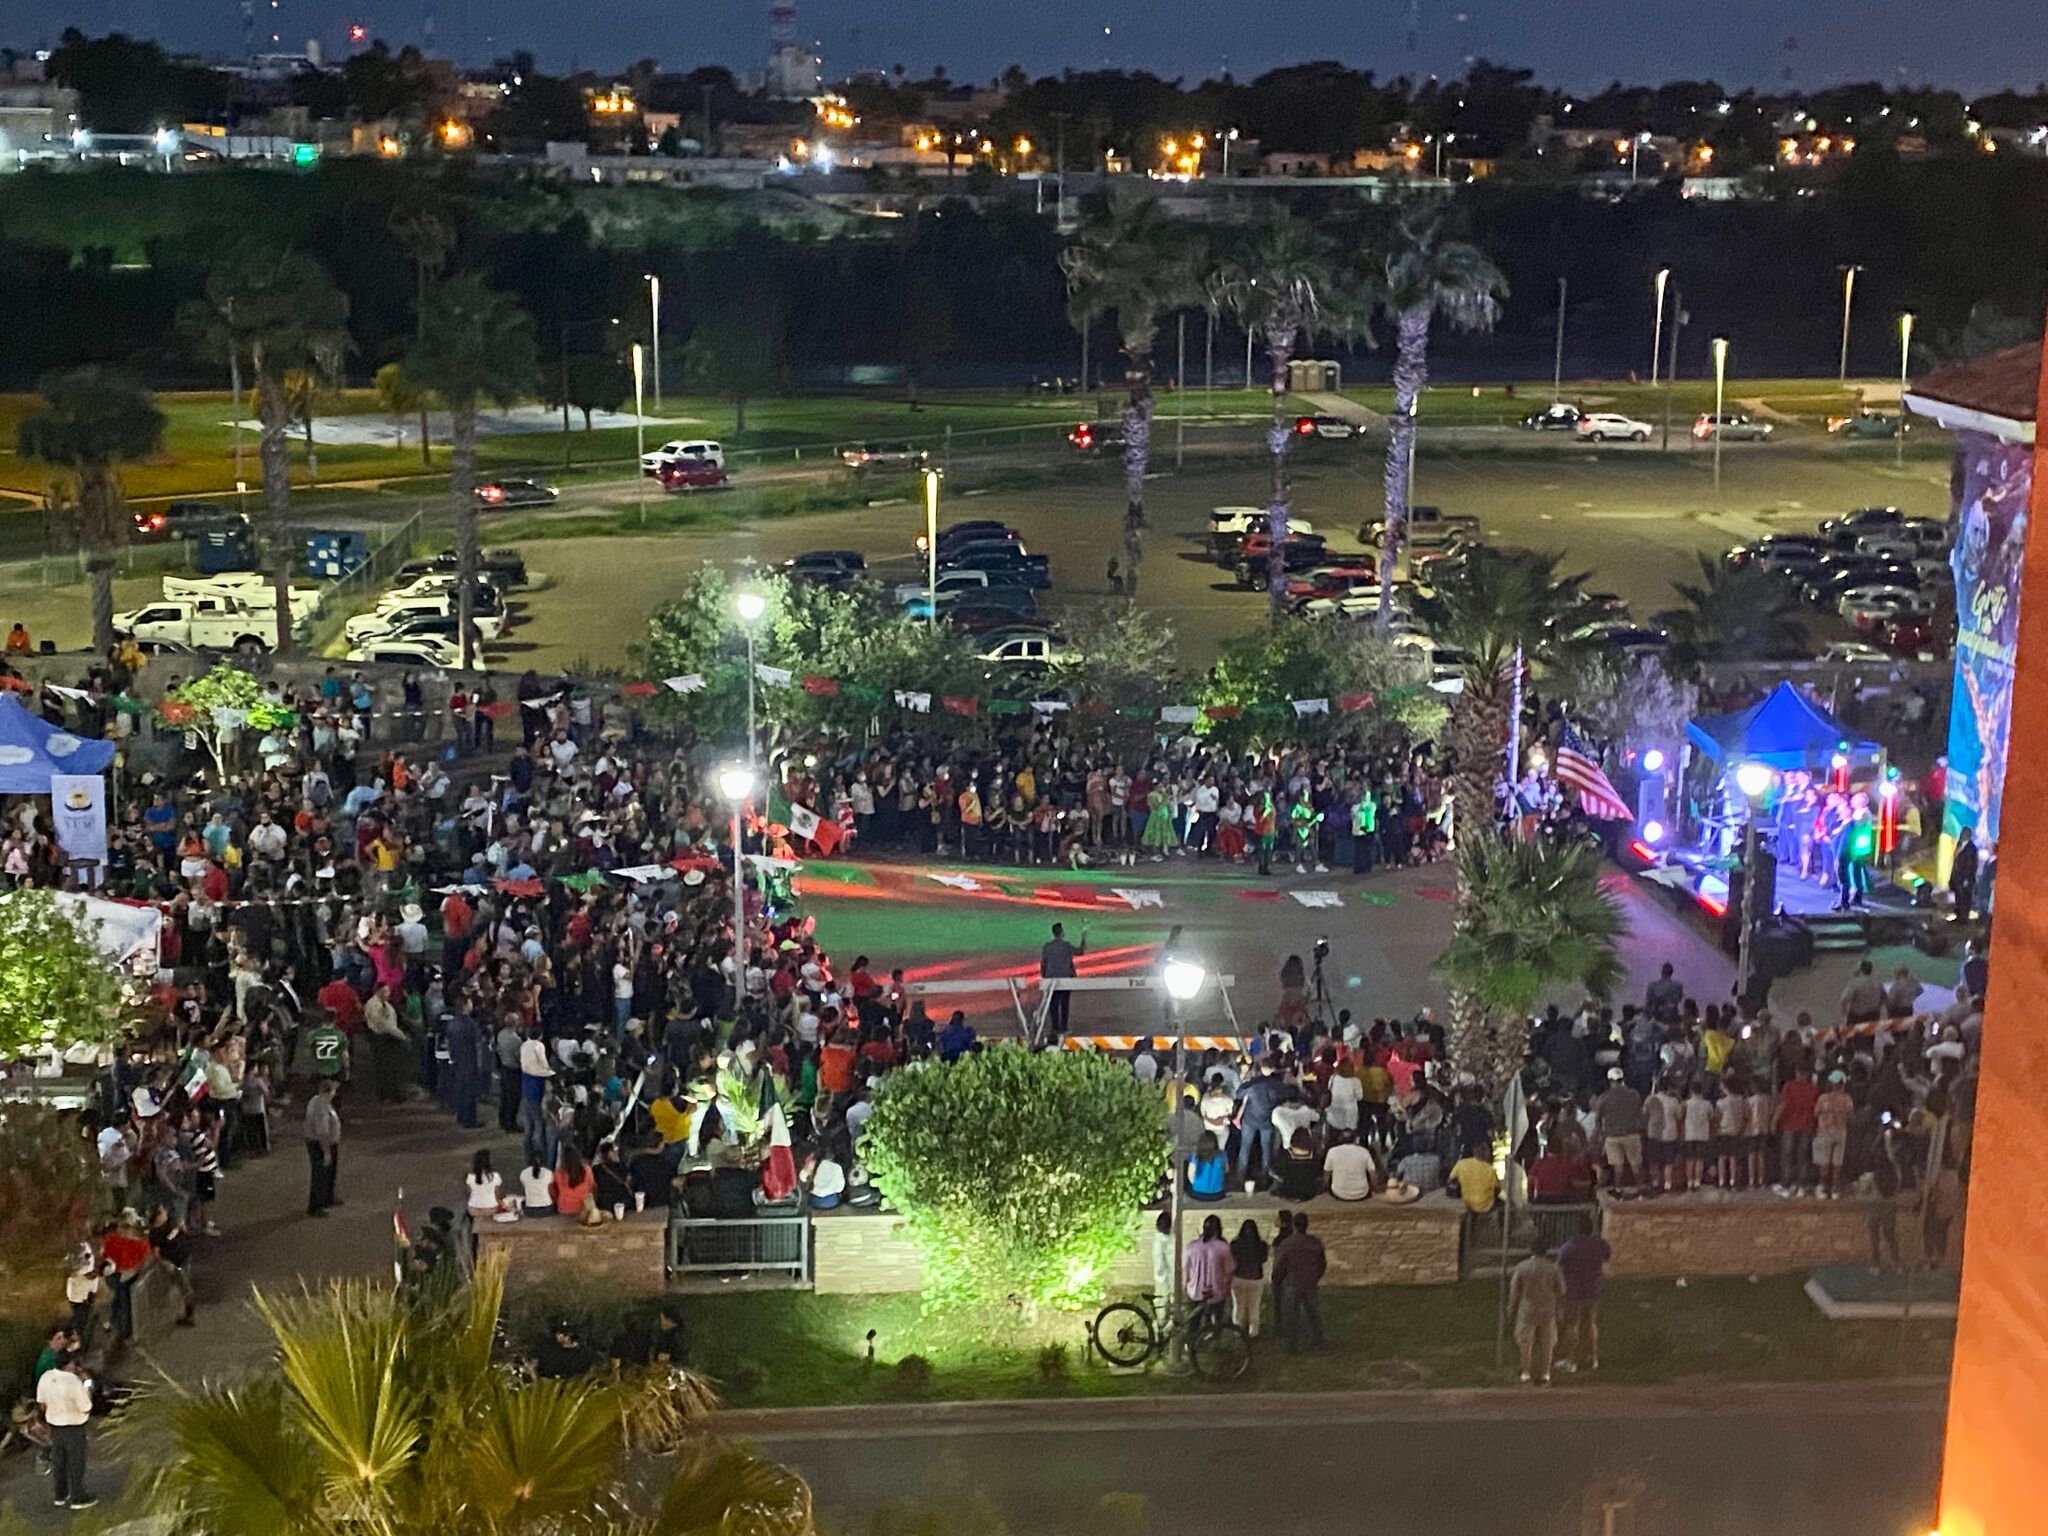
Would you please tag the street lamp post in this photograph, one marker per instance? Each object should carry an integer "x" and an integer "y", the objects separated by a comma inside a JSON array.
[
  {"x": 750, "y": 606},
  {"x": 1657, "y": 328},
  {"x": 1753, "y": 779},
  {"x": 640, "y": 429},
  {"x": 1183, "y": 976},
  {"x": 1671, "y": 366},
  {"x": 1557, "y": 355},
  {"x": 1720, "y": 393},
  {"x": 736, "y": 783},
  {"x": 654, "y": 308},
  {"x": 1905, "y": 352},
  {"x": 1848, "y": 299},
  {"x": 931, "y": 546}
]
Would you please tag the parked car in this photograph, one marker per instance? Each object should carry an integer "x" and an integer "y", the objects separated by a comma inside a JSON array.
[
  {"x": 1009, "y": 597},
  {"x": 200, "y": 624},
  {"x": 1021, "y": 648},
  {"x": 1853, "y": 653},
  {"x": 972, "y": 531},
  {"x": 1864, "y": 424},
  {"x": 514, "y": 493},
  {"x": 1298, "y": 552},
  {"x": 1867, "y": 607},
  {"x": 1930, "y": 533},
  {"x": 1030, "y": 570},
  {"x": 884, "y": 456},
  {"x": 1837, "y": 573},
  {"x": 1094, "y": 436},
  {"x": 1334, "y": 427},
  {"x": 683, "y": 475},
  {"x": 1554, "y": 418},
  {"x": 1790, "y": 554},
  {"x": 1358, "y": 603},
  {"x": 251, "y": 589},
  {"x": 408, "y": 651},
  {"x": 1428, "y": 528},
  {"x": 1731, "y": 427},
  {"x": 502, "y": 568},
  {"x": 393, "y": 617},
  {"x": 834, "y": 568},
  {"x": 699, "y": 450},
  {"x": 184, "y": 520},
  {"x": 1606, "y": 426},
  {"x": 1853, "y": 525},
  {"x": 1333, "y": 581},
  {"x": 979, "y": 617},
  {"x": 1922, "y": 639},
  {"x": 1229, "y": 525}
]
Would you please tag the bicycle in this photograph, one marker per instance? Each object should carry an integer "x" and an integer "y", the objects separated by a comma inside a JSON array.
[{"x": 1129, "y": 1334}]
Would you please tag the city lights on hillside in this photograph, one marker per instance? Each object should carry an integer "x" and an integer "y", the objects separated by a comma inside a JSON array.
[{"x": 616, "y": 102}]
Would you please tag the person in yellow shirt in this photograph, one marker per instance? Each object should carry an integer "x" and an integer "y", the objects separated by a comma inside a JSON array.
[
  {"x": 671, "y": 1121},
  {"x": 1478, "y": 1185},
  {"x": 1715, "y": 1048}
]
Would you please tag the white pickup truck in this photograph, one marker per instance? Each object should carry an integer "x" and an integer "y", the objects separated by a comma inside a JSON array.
[
  {"x": 202, "y": 623},
  {"x": 252, "y": 589},
  {"x": 1229, "y": 525},
  {"x": 392, "y": 616}
]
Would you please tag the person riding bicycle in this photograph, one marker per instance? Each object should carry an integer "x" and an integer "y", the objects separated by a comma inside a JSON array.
[{"x": 1207, "y": 1269}]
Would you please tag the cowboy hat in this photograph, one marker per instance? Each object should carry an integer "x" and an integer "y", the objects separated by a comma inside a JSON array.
[
  {"x": 411, "y": 912},
  {"x": 693, "y": 877},
  {"x": 146, "y": 1103}
]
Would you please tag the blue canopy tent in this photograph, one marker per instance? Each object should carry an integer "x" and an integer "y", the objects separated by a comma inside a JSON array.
[
  {"x": 31, "y": 750},
  {"x": 1784, "y": 730}
]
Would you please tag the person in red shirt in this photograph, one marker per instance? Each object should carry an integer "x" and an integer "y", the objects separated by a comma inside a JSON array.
[
  {"x": 339, "y": 999},
  {"x": 124, "y": 1251},
  {"x": 859, "y": 982},
  {"x": 1550, "y": 1178},
  {"x": 457, "y": 918},
  {"x": 835, "y": 1065},
  {"x": 1798, "y": 1119},
  {"x": 214, "y": 882}
]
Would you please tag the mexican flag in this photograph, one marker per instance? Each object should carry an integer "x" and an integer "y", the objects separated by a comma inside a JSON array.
[{"x": 807, "y": 824}]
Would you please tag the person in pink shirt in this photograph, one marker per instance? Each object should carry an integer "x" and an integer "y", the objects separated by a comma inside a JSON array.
[{"x": 1207, "y": 1269}]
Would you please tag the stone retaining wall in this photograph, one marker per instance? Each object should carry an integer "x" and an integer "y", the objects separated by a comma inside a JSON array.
[
  {"x": 1699, "y": 1235},
  {"x": 621, "y": 1258}
]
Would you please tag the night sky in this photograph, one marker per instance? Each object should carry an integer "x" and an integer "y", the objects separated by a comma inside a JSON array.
[{"x": 1580, "y": 44}]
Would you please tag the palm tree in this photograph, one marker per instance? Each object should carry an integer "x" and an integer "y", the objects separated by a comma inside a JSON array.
[
  {"x": 1425, "y": 275},
  {"x": 428, "y": 236},
  {"x": 1537, "y": 917},
  {"x": 1130, "y": 259},
  {"x": 281, "y": 310},
  {"x": 92, "y": 420},
  {"x": 1282, "y": 283},
  {"x": 388, "y": 1415},
  {"x": 1501, "y": 609},
  {"x": 1734, "y": 613},
  {"x": 476, "y": 345}
]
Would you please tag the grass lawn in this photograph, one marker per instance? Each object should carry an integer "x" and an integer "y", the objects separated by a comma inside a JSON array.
[
  {"x": 778, "y": 1349},
  {"x": 1812, "y": 401},
  {"x": 198, "y": 454}
]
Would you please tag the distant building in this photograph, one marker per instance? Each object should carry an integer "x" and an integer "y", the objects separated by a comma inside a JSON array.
[{"x": 33, "y": 115}]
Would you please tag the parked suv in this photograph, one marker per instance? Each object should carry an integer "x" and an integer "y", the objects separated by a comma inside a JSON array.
[{"x": 1730, "y": 427}]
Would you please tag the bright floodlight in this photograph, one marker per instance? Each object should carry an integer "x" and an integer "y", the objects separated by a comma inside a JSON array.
[
  {"x": 1653, "y": 760},
  {"x": 736, "y": 782},
  {"x": 1183, "y": 977},
  {"x": 749, "y": 606},
  {"x": 1653, "y": 832},
  {"x": 1753, "y": 778}
]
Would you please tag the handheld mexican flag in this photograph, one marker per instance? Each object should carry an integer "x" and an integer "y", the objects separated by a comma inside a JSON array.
[{"x": 807, "y": 824}]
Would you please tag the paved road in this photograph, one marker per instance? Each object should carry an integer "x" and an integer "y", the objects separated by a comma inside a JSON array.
[{"x": 1783, "y": 1462}]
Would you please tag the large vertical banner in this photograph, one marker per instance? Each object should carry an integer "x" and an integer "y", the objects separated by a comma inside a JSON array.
[
  {"x": 1992, "y": 483},
  {"x": 78, "y": 808},
  {"x": 1994, "y": 1479}
]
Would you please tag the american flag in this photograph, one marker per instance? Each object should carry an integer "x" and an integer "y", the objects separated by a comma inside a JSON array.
[{"x": 1576, "y": 766}]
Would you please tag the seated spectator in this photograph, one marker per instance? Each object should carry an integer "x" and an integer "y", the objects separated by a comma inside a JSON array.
[
  {"x": 537, "y": 1190},
  {"x": 1300, "y": 1170},
  {"x": 1207, "y": 1169},
  {"x": 1350, "y": 1169},
  {"x": 1474, "y": 1181},
  {"x": 823, "y": 1180}
]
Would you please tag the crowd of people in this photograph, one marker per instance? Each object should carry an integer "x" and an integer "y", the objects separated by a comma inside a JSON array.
[{"x": 376, "y": 902}]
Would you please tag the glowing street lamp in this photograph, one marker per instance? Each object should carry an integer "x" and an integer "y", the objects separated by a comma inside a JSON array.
[
  {"x": 736, "y": 783},
  {"x": 654, "y": 306},
  {"x": 1657, "y": 333},
  {"x": 750, "y": 606},
  {"x": 1720, "y": 399},
  {"x": 1905, "y": 351}
]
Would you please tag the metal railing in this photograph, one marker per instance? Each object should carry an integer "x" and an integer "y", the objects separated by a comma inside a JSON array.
[
  {"x": 1495, "y": 1241},
  {"x": 746, "y": 1245}
]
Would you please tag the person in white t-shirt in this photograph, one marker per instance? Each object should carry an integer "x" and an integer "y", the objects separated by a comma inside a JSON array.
[
  {"x": 1341, "y": 1114},
  {"x": 486, "y": 1188},
  {"x": 537, "y": 1190},
  {"x": 1350, "y": 1169}
]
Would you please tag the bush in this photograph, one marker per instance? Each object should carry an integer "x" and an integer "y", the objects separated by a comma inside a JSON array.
[
  {"x": 913, "y": 1375},
  {"x": 1052, "y": 1363},
  {"x": 1019, "y": 1174}
]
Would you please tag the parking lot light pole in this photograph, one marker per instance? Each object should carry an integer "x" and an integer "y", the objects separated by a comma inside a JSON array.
[
  {"x": 1183, "y": 976},
  {"x": 1905, "y": 353},
  {"x": 1720, "y": 392},
  {"x": 654, "y": 330},
  {"x": 1657, "y": 329},
  {"x": 931, "y": 547},
  {"x": 750, "y": 606},
  {"x": 640, "y": 428},
  {"x": 1754, "y": 780},
  {"x": 736, "y": 783}
]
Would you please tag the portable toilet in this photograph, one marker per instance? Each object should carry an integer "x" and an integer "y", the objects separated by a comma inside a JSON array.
[
  {"x": 222, "y": 549},
  {"x": 336, "y": 554}
]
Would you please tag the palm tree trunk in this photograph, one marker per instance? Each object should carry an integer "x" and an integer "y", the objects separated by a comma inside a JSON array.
[
  {"x": 461, "y": 482},
  {"x": 1279, "y": 352},
  {"x": 274, "y": 414},
  {"x": 1488, "y": 1045},
  {"x": 1411, "y": 372},
  {"x": 1478, "y": 733},
  {"x": 98, "y": 533},
  {"x": 1137, "y": 428}
]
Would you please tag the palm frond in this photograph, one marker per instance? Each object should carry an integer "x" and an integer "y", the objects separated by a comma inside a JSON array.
[
  {"x": 721, "y": 1490},
  {"x": 241, "y": 1468},
  {"x": 539, "y": 1452},
  {"x": 1532, "y": 916}
]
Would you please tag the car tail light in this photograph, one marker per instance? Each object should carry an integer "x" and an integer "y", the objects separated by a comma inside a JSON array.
[{"x": 1304, "y": 427}]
